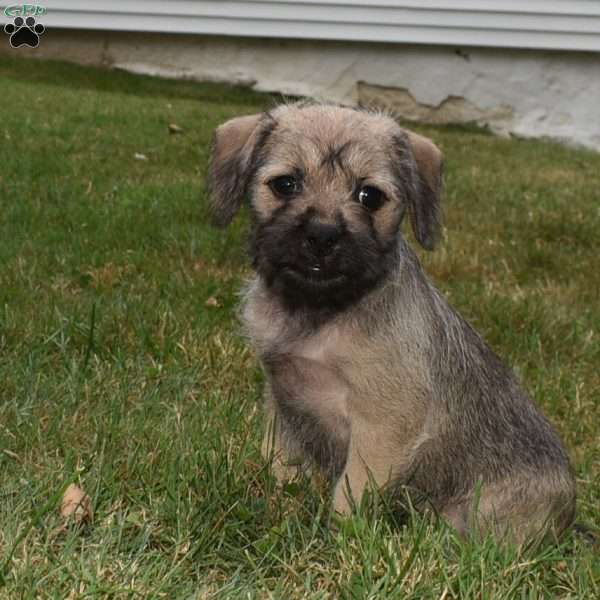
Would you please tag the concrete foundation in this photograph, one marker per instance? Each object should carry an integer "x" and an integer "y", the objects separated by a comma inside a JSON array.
[{"x": 524, "y": 92}]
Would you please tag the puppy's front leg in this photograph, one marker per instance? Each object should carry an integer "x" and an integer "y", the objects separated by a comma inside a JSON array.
[
  {"x": 286, "y": 460},
  {"x": 368, "y": 461},
  {"x": 311, "y": 400}
]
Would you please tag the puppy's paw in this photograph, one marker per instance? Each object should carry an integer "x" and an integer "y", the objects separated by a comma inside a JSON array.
[
  {"x": 286, "y": 469},
  {"x": 343, "y": 504}
]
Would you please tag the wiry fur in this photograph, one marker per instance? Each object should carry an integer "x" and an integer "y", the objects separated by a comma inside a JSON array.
[{"x": 371, "y": 374}]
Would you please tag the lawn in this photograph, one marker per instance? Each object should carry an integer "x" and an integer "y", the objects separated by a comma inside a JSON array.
[{"x": 122, "y": 368}]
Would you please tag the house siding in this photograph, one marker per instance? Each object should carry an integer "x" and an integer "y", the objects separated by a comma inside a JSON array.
[{"x": 534, "y": 24}]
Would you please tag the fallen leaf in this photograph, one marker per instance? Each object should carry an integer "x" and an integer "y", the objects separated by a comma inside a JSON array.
[
  {"x": 174, "y": 128},
  {"x": 199, "y": 265},
  {"x": 76, "y": 505},
  {"x": 212, "y": 302}
]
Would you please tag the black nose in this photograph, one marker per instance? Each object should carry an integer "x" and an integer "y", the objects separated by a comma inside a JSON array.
[{"x": 322, "y": 238}]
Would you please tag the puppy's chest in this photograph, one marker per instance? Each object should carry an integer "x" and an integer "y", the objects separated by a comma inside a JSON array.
[
  {"x": 321, "y": 352},
  {"x": 335, "y": 360},
  {"x": 275, "y": 333},
  {"x": 308, "y": 367},
  {"x": 308, "y": 379}
]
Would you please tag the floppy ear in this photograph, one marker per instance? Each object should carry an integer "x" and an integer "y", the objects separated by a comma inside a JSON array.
[
  {"x": 425, "y": 193},
  {"x": 234, "y": 154}
]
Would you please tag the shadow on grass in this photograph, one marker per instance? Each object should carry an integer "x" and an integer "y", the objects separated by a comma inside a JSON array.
[{"x": 77, "y": 77}]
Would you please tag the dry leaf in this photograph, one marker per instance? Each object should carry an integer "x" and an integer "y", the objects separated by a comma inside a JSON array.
[
  {"x": 174, "y": 128},
  {"x": 76, "y": 505},
  {"x": 199, "y": 265},
  {"x": 212, "y": 302}
]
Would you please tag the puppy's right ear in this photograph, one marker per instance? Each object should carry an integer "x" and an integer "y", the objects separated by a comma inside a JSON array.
[{"x": 236, "y": 147}]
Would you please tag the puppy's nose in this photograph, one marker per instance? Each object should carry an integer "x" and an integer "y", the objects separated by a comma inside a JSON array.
[{"x": 322, "y": 238}]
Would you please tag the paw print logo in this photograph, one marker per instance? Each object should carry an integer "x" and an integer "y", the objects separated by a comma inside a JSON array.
[{"x": 24, "y": 32}]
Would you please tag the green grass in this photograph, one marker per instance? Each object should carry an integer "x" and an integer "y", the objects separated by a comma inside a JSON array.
[{"x": 116, "y": 375}]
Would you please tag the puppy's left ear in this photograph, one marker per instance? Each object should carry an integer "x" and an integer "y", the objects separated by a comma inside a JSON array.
[
  {"x": 425, "y": 197},
  {"x": 236, "y": 147}
]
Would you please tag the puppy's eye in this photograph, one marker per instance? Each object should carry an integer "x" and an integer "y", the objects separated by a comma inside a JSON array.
[
  {"x": 285, "y": 186},
  {"x": 370, "y": 197}
]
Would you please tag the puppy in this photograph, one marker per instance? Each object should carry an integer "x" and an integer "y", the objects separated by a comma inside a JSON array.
[{"x": 371, "y": 375}]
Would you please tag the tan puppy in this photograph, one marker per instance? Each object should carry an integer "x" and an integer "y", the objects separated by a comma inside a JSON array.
[{"x": 371, "y": 374}]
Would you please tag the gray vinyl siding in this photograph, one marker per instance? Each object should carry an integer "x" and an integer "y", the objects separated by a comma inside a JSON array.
[{"x": 540, "y": 24}]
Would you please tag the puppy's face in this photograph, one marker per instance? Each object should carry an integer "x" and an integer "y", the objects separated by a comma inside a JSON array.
[{"x": 328, "y": 188}]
